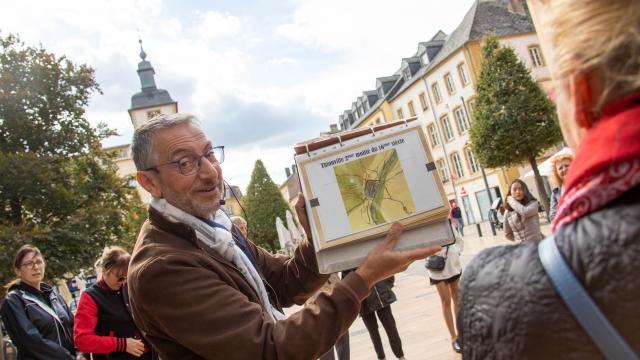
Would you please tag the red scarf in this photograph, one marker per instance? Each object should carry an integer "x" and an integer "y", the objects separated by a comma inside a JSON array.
[{"x": 607, "y": 163}]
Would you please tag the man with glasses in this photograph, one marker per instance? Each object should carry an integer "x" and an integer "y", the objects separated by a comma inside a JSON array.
[{"x": 200, "y": 289}]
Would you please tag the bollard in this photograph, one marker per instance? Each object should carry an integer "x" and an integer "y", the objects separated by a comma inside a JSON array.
[{"x": 479, "y": 229}]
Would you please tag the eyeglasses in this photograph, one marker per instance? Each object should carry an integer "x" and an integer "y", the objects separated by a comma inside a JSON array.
[
  {"x": 189, "y": 164},
  {"x": 119, "y": 278},
  {"x": 32, "y": 264}
]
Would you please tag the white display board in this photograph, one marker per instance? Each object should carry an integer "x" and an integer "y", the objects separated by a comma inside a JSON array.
[{"x": 356, "y": 189}]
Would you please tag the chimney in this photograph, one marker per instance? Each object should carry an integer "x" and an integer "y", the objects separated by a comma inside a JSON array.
[
  {"x": 287, "y": 171},
  {"x": 334, "y": 128}
]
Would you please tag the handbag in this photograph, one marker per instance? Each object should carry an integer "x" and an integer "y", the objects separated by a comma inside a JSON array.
[{"x": 436, "y": 262}]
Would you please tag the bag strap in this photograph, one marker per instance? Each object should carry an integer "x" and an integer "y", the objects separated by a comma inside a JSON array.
[{"x": 583, "y": 308}]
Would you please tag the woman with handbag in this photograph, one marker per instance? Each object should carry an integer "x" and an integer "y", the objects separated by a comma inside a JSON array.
[{"x": 444, "y": 273}]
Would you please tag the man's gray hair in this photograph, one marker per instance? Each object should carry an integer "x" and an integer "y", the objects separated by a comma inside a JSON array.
[{"x": 142, "y": 144}]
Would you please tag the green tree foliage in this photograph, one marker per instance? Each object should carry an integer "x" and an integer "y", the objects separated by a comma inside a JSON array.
[
  {"x": 58, "y": 190},
  {"x": 514, "y": 120},
  {"x": 263, "y": 203}
]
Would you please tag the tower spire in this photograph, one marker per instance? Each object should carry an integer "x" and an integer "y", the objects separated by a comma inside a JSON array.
[{"x": 143, "y": 55}]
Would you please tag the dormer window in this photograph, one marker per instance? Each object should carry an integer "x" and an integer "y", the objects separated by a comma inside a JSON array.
[
  {"x": 424, "y": 58},
  {"x": 406, "y": 73},
  {"x": 380, "y": 92}
]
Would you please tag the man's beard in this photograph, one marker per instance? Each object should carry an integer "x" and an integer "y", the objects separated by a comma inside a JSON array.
[{"x": 204, "y": 210}]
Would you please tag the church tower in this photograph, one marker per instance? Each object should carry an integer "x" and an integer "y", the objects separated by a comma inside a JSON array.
[
  {"x": 145, "y": 104},
  {"x": 149, "y": 101}
]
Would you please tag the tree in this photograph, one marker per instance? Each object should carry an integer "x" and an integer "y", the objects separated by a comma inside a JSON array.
[
  {"x": 263, "y": 203},
  {"x": 59, "y": 190},
  {"x": 514, "y": 119}
]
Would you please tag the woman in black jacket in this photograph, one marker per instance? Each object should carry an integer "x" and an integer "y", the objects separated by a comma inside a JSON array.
[
  {"x": 379, "y": 302},
  {"x": 35, "y": 316}
]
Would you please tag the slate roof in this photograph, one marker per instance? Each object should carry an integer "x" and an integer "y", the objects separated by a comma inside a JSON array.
[{"x": 484, "y": 16}]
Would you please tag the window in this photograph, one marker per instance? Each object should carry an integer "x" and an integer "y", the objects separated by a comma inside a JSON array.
[
  {"x": 433, "y": 135},
  {"x": 365, "y": 105},
  {"x": 152, "y": 113},
  {"x": 457, "y": 164},
  {"x": 360, "y": 110},
  {"x": 436, "y": 92},
  {"x": 424, "y": 59},
  {"x": 536, "y": 56},
  {"x": 412, "y": 110},
  {"x": 444, "y": 176},
  {"x": 448, "y": 81},
  {"x": 423, "y": 101},
  {"x": 471, "y": 160},
  {"x": 462, "y": 71},
  {"x": 446, "y": 126},
  {"x": 400, "y": 113},
  {"x": 461, "y": 121},
  {"x": 406, "y": 73},
  {"x": 380, "y": 92},
  {"x": 471, "y": 105}
]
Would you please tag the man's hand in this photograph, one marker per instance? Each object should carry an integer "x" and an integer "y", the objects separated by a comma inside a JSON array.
[
  {"x": 383, "y": 261},
  {"x": 135, "y": 347},
  {"x": 301, "y": 210}
]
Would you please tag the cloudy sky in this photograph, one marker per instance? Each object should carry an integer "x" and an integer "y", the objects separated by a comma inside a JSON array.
[{"x": 260, "y": 74}]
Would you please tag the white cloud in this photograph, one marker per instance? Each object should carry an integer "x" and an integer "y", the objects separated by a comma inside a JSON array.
[
  {"x": 205, "y": 56},
  {"x": 283, "y": 61},
  {"x": 215, "y": 25}
]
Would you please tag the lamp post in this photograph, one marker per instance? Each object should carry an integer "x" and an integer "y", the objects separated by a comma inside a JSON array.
[
  {"x": 437, "y": 126},
  {"x": 484, "y": 174}
]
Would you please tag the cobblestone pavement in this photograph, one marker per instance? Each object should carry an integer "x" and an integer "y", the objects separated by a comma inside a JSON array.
[{"x": 418, "y": 312}]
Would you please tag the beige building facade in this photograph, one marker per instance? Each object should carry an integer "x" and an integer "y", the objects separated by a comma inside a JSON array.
[{"x": 436, "y": 85}]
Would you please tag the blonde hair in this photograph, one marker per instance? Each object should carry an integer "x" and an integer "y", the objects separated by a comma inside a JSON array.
[
  {"x": 113, "y": 257},
  {"x": 601, "y": 37},
  {"x": 554, "y": 177}
]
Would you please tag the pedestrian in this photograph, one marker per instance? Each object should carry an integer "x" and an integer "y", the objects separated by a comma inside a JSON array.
[
  {"x": 103, "y": 323},
  {"x": 379, "y": 303},
  {"x": 509, "y": 308},
  {"x": 521, "y": 221},
  {"x": 446, "y": 282},
  {"x": 455, "y": 215},
  {"x": 34, "y": 314},
  {"x": 200, "y": 289},
  {"x": 559, "y": 169},
  {"x": 240, "y": 223}
]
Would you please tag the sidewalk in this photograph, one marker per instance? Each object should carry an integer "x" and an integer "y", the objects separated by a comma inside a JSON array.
[{"x": 418, "y": 312}]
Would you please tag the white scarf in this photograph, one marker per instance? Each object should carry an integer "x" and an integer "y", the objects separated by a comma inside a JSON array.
[{"x": 221, "y": 241}]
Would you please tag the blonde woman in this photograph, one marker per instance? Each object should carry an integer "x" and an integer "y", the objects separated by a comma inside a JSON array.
[
  {"x": 508, "y": 307},
  {"x": 103, "y": 324},
  {"x": 559, "y": 169}
]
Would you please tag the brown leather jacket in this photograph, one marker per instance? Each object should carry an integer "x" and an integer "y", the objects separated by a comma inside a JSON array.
[{"x": 190, "y": 303}]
